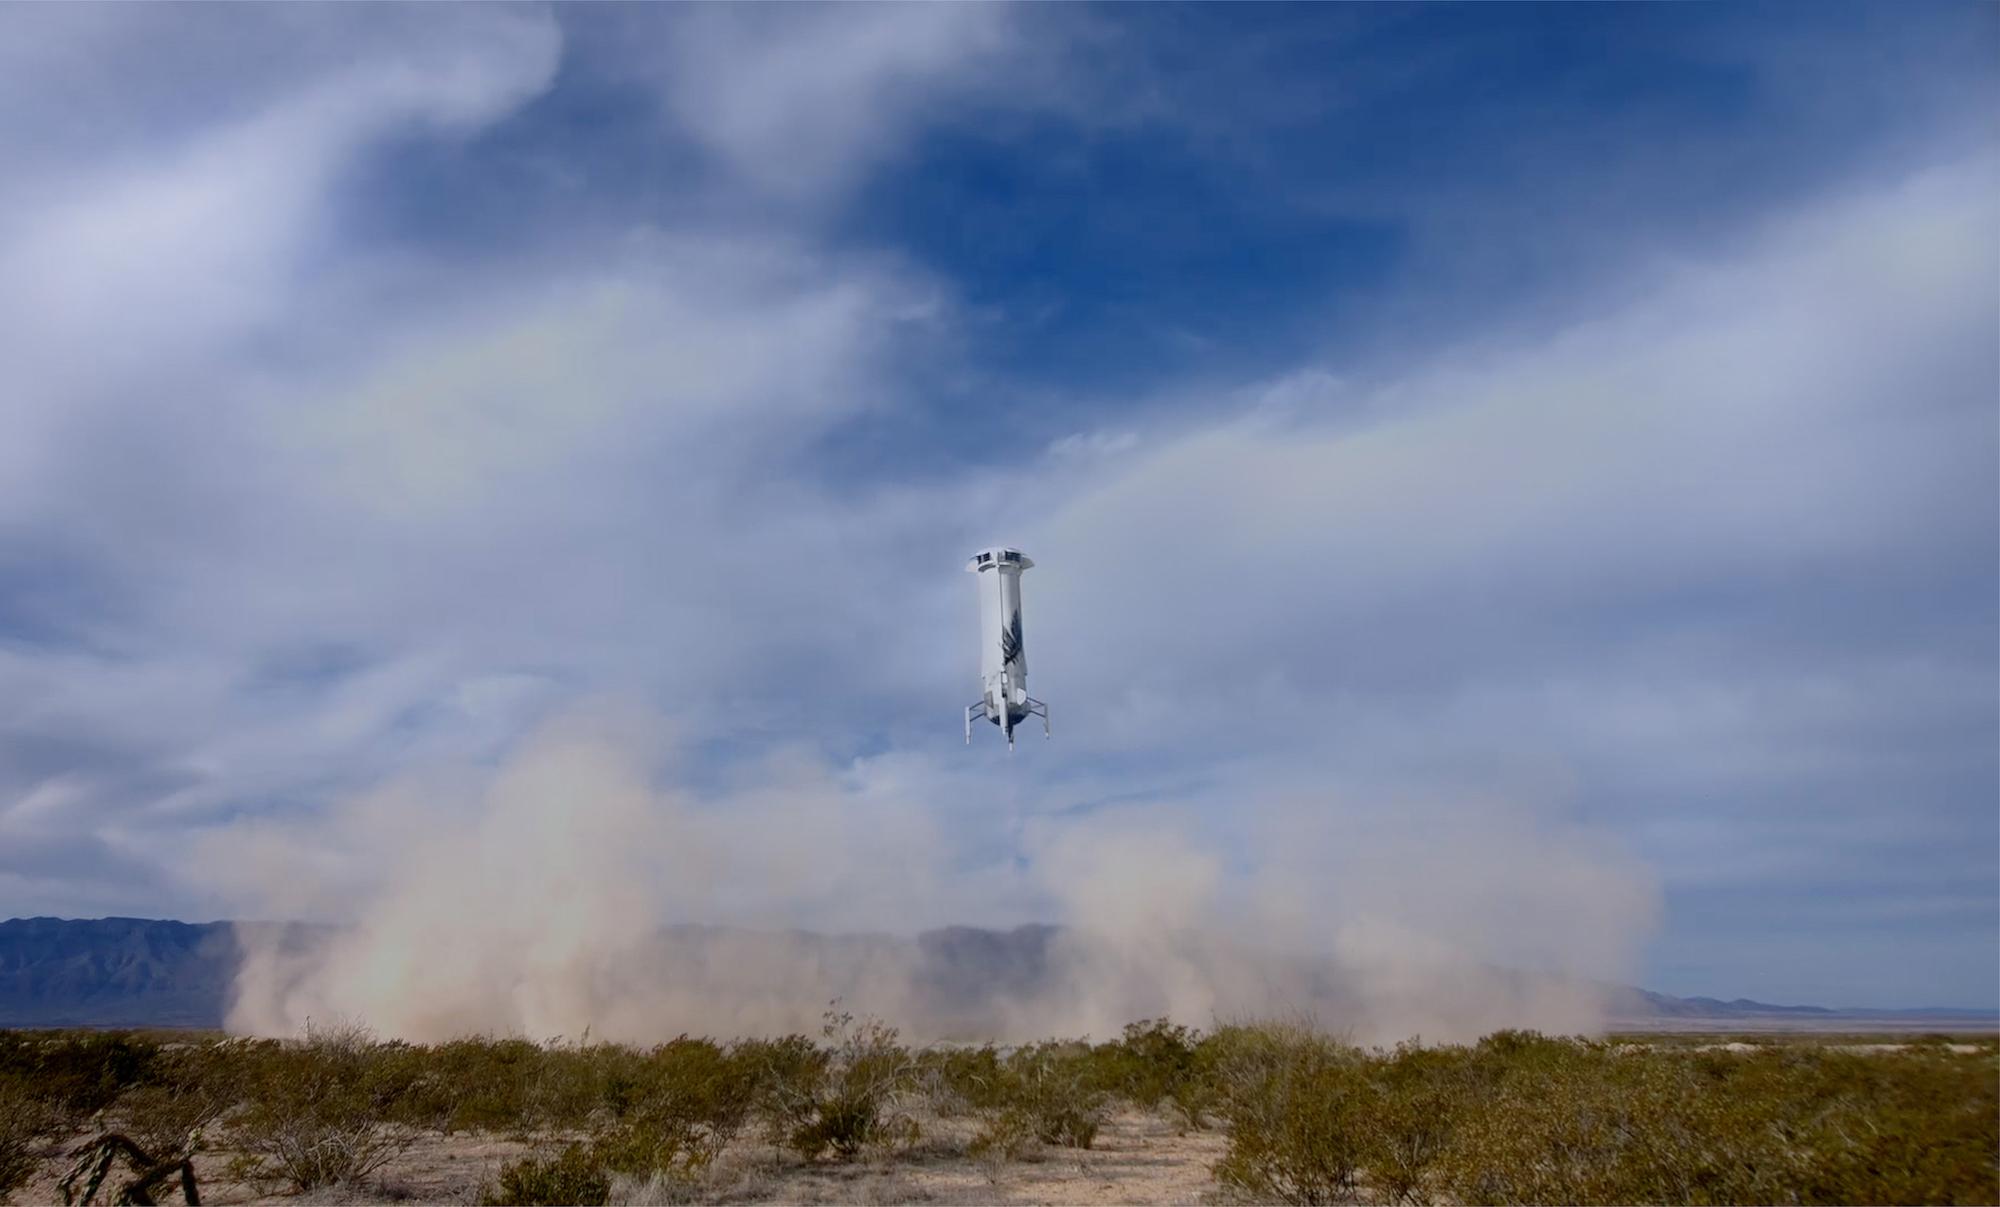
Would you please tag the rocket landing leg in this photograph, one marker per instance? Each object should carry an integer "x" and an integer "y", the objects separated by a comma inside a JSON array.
[{"x": 1006, "y": 720}]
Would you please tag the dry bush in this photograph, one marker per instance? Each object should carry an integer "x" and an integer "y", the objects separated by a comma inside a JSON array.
[
  {"x": 167, "y": 1120},
  {"x": 78, "y": 1072},
  {"x": 637, "y": 1150},
  {"x": 669, "y": 1108},
  {"x": 1004, "y": 1135},
  {"x": 26, "y": 1120},
  {"x": 1055, "y": 1089},
  {"x": 661, "y": 1188},
  {"x": 573, "y": 1177},
  {"x": 1517, "y": 1118},
  {"x": 189, "y": 1091},
  {"x": 51, "y": 1081},
  {"x": 955, "y": 1082},
  {"x": 840, "y": 1098},
  {"x": 1047, "y": 1093},
  {"x": 318, "y": 1112},
  {"x": 737, "y": 1182}
]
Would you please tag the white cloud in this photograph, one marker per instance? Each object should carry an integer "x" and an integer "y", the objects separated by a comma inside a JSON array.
[
  {"x": 1822, "y": 408},
  {"x": 798, "y": 102},
  {"x": 132, "y": 276}
]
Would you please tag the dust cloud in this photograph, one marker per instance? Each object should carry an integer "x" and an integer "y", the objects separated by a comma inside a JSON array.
[{"x": 567, "y": 892}]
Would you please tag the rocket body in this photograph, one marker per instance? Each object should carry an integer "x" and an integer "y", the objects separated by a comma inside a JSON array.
[
  {"x": 1003, "y": 662},
  {"x": 1003, "y": 654}
]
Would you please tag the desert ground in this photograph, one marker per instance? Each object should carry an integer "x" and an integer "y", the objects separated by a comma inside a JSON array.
[
  {"x": 1138, "y": 1157},
  {"x": 1274, "y": 1113}
]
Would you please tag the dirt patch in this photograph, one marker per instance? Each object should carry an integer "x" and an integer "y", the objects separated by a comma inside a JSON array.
[
  {"x": 1138, "y": 1158},
  {"x": 434, "y": 1169}
]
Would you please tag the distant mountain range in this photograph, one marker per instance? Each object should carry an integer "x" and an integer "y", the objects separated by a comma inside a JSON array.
[
  {"x": 114, "y": 972},
  {"x": 144, "y": 972}
]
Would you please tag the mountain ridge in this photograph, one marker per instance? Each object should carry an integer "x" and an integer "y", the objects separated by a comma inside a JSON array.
[{"x": 153, "y": 972}]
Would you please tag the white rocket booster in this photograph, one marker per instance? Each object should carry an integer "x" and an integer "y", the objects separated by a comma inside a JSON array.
[{"x": 1003, "y": 658}]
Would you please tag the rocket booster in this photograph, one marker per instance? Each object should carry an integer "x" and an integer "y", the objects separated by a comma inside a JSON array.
[{"x": 1003, "y": 655}]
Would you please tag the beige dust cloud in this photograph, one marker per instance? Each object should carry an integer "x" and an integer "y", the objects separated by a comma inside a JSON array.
[{"x": 566, "y": 892}]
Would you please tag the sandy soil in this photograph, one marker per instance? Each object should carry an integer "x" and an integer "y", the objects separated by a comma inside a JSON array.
[
  {"x": 434, "y": 1169},
  {"x": 1865, "y": 1049},
  {"x": 1138, "y": 1158}
]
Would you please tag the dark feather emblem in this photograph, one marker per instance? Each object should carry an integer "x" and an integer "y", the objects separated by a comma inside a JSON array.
[{"x": 1010, "y": 641}]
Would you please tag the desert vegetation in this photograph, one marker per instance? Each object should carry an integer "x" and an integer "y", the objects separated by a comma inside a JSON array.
[{"x": 1290, "y": 1114}]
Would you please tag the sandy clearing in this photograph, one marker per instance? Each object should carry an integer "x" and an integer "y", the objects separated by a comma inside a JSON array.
[{"x": 1139, "y": 1158}]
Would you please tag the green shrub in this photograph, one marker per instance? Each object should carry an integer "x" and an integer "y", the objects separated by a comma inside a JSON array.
[
  {"x": 1004, "y": 1135},
  {"x": 674, "y": 1108},
  {"x": 1418, "y": 1094},
  {"x": 1918, "y": 1127},
  {"x": 1054, "y": 1089},
  {"x": 699, "y": 1090},
  {"x": 1548, "y": 1129},
  {"x": 1791, "y": 1123},
  {"x": 78, "y": 1072},
  {"x": 1152, "y": 1062},
  {"x": 1298, "y": 1106},
  {"x": 574, "y": 1177},
  {"x": 1516, "y": 1118},
  {"x": 475, "y": 1084}
]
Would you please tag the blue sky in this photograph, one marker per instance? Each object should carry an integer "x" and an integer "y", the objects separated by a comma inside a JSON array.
[{"x": 1519, "y": 481}]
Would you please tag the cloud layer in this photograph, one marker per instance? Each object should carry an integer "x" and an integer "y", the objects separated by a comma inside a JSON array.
[{"x": 321, "y": 546}]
